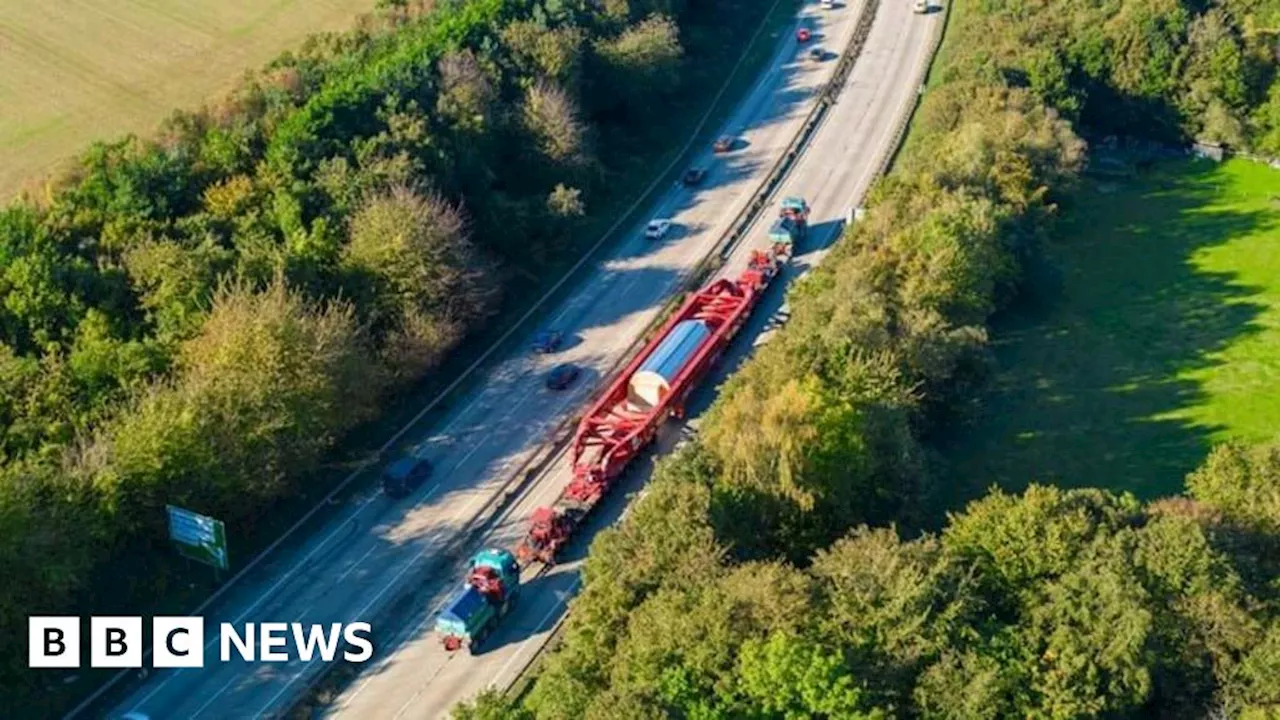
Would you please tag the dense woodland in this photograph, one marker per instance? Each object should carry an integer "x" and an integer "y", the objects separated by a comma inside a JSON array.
[
  {"x": 197, "y": 318},
  {"x": 775, "y": 566}
]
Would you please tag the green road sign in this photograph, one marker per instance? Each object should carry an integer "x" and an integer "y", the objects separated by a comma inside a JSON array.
[{"x": 198, "y": 537}]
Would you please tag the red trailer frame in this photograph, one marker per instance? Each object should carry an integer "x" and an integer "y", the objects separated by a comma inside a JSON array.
[{"x": 610, "y": 435}]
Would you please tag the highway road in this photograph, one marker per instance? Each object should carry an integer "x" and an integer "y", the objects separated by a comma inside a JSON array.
[
  {"x": 372, "y": 552},
  {"x": 416, "y": 679}
]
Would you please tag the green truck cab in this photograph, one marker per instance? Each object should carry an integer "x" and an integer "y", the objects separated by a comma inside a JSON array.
[
  {"x": 792, "y": 225},
  {"x": 490, "y": 589}
]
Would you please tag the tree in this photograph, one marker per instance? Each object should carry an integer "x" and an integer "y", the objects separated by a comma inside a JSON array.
[
  {"x": 467, "y": 95},
  {"x": 1243, "y": 482},
  {"x": 566, "y": 202},
  {"x": 415, "y": 249},
  {"x": 638, "y": 66},
  {"x": 548, "y": 54},
  {"x": 793, "y": 677},
  {"x": 551, "y": 117}
]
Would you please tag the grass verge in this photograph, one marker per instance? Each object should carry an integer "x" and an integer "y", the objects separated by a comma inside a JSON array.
[{"x": 1153, "y": 334}]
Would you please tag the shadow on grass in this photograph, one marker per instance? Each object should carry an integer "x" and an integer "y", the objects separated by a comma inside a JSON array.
[{"x": 1092, "y": 359}]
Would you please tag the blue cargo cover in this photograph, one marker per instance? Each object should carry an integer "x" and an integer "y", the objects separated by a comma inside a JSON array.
[
  {"x": 464, "y": 607},
  {"x": 782, "y": 229},
  {"x": 676, "y": 349}
]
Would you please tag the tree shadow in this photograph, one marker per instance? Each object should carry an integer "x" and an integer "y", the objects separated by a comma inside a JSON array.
[{"x": 1092, "y": 359}]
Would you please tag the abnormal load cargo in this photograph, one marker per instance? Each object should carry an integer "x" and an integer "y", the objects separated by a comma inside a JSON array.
[{"x": 651, "y": 382}]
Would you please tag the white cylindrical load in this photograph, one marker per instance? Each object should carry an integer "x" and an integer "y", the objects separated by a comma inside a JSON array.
[{"x": 651, "y": 382}]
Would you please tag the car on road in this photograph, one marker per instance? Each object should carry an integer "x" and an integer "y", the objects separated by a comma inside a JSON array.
[
  {"x": 817, "y": 54},
  {"x": 827, "y": 4},
  {"x": 404, "y": 475},
  {"x": 562, "y": 376},
  {"x": 657, "y": 229},
  {"x": 547, "y": 341},
  {"x": 803, "y": 35},
  {"x": 724, "y": 144},
  {"x": 920, "y": 7},
  {"x": 693, "y": 176}
]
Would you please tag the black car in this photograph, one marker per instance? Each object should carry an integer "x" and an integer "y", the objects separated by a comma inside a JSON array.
[
  {"x": 694, "y": 176},
  {"x": 402, "y": 476},
  {"x": 562, "y": 376}
]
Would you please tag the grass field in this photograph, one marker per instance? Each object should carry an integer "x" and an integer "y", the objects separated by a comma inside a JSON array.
[
  {"x": 74, "y": 71},
  {"x": 1155, "y": 334}
]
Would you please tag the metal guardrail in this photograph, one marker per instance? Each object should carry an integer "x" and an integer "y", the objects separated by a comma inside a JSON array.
[
  {"x": 900, "y": 134},
  {"x": 829, "y": 93}
]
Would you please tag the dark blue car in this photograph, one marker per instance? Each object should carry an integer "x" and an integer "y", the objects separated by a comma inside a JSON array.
[
  {"x": 402, "y": 476},
  {"x": 547, "y": 341},
  {"x": 562, "y": 376}
]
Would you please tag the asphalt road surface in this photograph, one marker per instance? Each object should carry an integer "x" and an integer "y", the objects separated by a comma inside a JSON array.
[
  {"x": 370, "y": 554},
  {"x": 415, "y": 678}
]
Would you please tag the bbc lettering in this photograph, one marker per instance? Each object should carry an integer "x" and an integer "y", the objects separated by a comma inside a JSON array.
[{"x": 178, "y": 642}]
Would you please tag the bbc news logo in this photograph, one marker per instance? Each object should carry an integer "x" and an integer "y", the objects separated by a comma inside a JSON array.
[{"x": 178, "y": 642}]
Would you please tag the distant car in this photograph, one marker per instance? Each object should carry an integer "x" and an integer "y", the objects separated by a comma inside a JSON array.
[
  {"x": 817, "y": 54},
  {"x": 404, "y": 475},
  {"x": 562, "y": 376},
  {"x": 547, "y": 341},
  {"x": 657, "y": 229},
  {"x": 724, "y": 144},
  {"x": 920, "y": 7},
  {"x": 827, "y": 4},
  {"x": 694, "y": 176},
  {"x": 803, "y": 35}
]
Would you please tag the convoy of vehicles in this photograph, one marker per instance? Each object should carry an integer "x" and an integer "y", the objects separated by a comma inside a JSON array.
[{"x": 620, "y": 423}]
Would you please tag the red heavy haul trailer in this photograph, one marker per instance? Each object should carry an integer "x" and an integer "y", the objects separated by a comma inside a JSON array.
[{"x": 652, "y": 387}]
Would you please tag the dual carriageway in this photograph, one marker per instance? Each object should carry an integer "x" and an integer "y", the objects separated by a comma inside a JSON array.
[{"x": 395, "y": 562}]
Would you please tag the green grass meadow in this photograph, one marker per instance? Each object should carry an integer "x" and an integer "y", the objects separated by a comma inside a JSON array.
[
  {"x": 76, "y": 71},
  {"x": 1152, "y": 332}
]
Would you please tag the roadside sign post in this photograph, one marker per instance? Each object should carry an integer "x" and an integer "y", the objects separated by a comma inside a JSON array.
[{"x": 200, "y": 538}]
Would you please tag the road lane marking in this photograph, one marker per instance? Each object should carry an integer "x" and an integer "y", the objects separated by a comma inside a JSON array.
[
  {"x": 209, "y": 702},
  {"x": 394, "y": 580},
  {"x": 555, "y": 608},
  {"x": 270, "y": 591}
]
